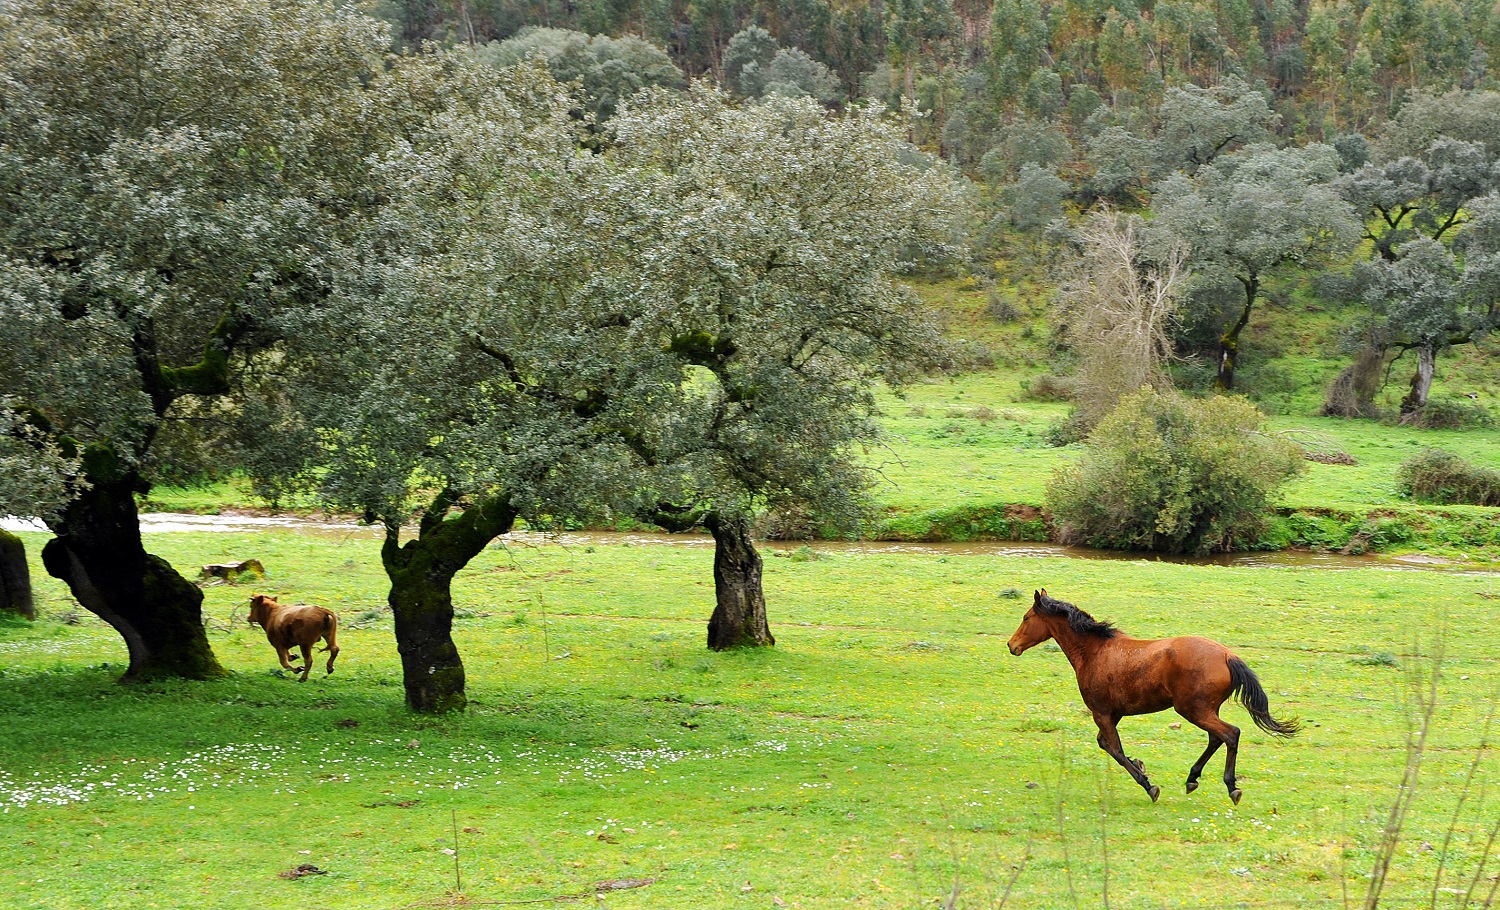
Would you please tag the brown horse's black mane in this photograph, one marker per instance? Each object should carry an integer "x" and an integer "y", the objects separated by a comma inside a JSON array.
[{"x": 1079, "y": 621}]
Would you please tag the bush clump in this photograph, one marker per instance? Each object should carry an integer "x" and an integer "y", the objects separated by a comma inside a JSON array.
[
  {"x": 1441, "y": 477},
  {"x": 1173, "y": 474},
  {"x": 1449, "y": 414}
]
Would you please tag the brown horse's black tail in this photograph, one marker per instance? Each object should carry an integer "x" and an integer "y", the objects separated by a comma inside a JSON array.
[{"x": 1242, "y": 680}]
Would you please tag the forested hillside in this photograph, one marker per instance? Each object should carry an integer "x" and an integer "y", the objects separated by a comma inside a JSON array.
[{"x": 979, "y": 66}]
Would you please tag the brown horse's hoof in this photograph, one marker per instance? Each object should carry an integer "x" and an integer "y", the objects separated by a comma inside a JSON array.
[
  {"x": 1235, "y": 795},
  {"x": 1192, "y": 785},
  {"x": 1139, "y": 765},
  {"x": 1155, "y": 791}
]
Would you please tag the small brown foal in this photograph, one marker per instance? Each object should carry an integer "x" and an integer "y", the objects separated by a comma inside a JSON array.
[{"x": 296, "y": 625}]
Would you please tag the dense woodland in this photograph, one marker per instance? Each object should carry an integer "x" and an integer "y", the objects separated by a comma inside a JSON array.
[{"x": 980, "y": 69}]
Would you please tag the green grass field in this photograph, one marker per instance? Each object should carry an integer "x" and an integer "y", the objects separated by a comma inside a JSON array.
[
  {"x": 887, "y": 747},
  {"x": 888, "y": 750}
]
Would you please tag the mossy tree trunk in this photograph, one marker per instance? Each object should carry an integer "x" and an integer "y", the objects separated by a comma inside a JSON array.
[
  {"x": 98, "y": 552},
  {"x": 421, "y": 597},
  {"x": 739, "y": 618},
  {"x": 1229, "y": 342},
  {"x": 15, "y": 577}
]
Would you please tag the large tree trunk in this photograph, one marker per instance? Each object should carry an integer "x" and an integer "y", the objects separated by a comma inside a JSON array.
[
  {"x": 15, "y": 577},
  {"x": 421, "y": 597},
  {"x": 1229, "y": 342},
  {"x": 1421, "y": 380},
  {"x": 99, "y": 554},
  {"x": 739, "y": 618}
]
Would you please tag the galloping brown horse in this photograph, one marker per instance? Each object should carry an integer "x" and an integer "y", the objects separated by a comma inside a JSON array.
[{"x": 1119, "y": 675}]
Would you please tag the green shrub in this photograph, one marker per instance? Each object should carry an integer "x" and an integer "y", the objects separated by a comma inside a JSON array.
[
  {"x": 1168, "y": 473},
  {"x": 1047, "y": 387},
  {"x": 1449, "y": 414},
  {"x": 1438, "y": 476}
]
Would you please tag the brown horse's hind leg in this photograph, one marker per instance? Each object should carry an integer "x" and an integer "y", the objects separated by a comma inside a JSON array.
[
  {"x": 1219, "y": 731},
  {"x": 1109, "y": 741},
  {"x": 1213, "y": 746}
]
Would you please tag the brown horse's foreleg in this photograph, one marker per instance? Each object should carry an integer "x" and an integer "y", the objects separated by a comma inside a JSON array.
[
  {"x": 286, "y": 658},
  {"x": 1109, "y": 741},
  {"x": 1219, "y": 731},
  {"x": 306, "y": 661}
]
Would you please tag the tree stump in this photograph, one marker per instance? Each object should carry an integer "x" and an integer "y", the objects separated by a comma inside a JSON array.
[
  {"x": 231, "y": 572},
  {"x": 15, "y": 577}
]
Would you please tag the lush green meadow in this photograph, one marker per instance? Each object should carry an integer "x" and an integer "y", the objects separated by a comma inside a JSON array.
[{"x": 886, "y": 748}]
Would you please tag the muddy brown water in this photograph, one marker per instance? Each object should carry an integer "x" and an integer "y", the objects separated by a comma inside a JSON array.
[{"x": 172, "y": 522}]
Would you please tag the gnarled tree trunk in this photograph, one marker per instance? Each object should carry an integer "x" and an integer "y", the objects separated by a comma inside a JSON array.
[
  {"x": 1421, "y": 380},
  {"x": 1229, "y": 342},
  {"x": 421, "y": 597},
  {"x": 15, "y": 577},
  {"x": 739, "y": 618},
  {"x": 99, "y": 554}
]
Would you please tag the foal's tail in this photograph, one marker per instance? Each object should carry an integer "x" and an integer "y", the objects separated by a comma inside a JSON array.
[
  {"x": 331, "y": 632},
  {"x": 1242, "y": 680}
]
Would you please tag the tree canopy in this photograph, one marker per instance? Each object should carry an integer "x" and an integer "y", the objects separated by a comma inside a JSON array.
[{"x": 172, "y": 174}]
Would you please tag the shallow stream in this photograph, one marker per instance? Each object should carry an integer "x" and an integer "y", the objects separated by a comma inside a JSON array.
[{"x": 173, "y": 522}]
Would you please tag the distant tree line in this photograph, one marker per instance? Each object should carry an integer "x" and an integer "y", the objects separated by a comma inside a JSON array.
[{"x": 977, "y": 65}]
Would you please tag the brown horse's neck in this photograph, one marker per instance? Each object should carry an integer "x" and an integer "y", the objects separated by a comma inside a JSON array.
[{"x": 1079, "y": 649}]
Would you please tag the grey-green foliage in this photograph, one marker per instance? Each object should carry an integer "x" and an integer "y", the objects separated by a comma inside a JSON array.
[
  {"x": 1200, "y": 124},
  {"x": 665, "y": 319},
  {"x": 1121, "y": 159},
  {"x": 755, "y": 66},
  {"x": 608, "y": 69},
  {"x": 1021, "y": 142},
  {"x": 37, "y": 475},
  {"x": 483, "y": 335},
  {"x": 168, "y": 178},
  {"x": 1421, "y": 195},
  {"x": 1035, "y": 199},
  {"x": 1430, "y": 297},
  {"x": 794, "y": 74},
  {"x": 775, "y": 242},
  {"x": 1467, "y": 116},
  {"x": 747, "y": 58},
  {"x": 1173, "y": 474},
  {"x": 1254, "y": 211},
  {"x": 1252, "y": 214}
]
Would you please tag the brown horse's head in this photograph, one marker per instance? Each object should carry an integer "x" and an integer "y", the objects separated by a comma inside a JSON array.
[
  {"x": 260, "y": 609},
  {"x": 1033, "y": 630}
]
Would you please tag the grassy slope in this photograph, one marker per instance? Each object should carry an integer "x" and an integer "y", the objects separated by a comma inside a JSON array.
[
  {"x": 886, "y": 745},
  {"x": 944, "y": 466}
]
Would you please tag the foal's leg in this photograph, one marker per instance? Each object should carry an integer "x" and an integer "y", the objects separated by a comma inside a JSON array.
[
  {"x": 1109, "y": 741},
  {"x": 333, "y": 644},
  {"x": 1219, "y": 731},
  {"x": 285, "y": 655},
  {"x": 306, "y": 661}
]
